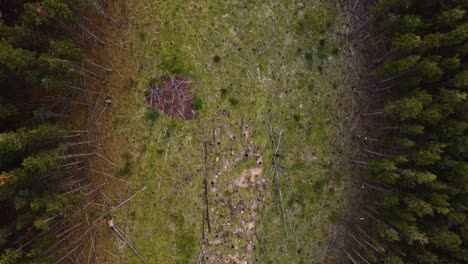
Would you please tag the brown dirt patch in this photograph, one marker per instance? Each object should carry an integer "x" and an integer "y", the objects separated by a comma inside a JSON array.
[{"x": 172, "y": 96}]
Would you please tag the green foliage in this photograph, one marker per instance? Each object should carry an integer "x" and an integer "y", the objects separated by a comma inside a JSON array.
[
  {"x": 14, "y": 145},
  {"x": 65, "y": 50},
  {"x": 412, "y": 129},
  {"x": 15, "y": 59},
  {"x": 378, "y": 165},
  {"x": 399, "y": 66},
  {"x": 461, "y": 80},
  {"x": 59, "y": 10},
  {"x": 427, "y": 155},
  {"x": 450, "y": 17},
  {"x": 432, "y": 115},
  {"x": 409, "y": 107},
  {"x": 224, "y": 93},
  {"x": 412, "y": 177},
  {"x": 40, "y": 163},
  {"x": 30, "y": 18},
  {"x": 446, "y": 240},
  {"x": 456, "y": 36},
  {"x": 410, "y": 24},
  {"x": 403, "y": 142},
  {"x": 425, "y": 175},
  {"x": 383, "y": 169},
  {"x": 56, "y": 65},
  {"x": 186, "y": 242},
  {"x": 151, "y": 115},
  {"x": 296, "y": 117},
  {"x": 418, "y": 206},
  {"x": 216, "y": 58},
  {"x": 234, "y": 102},
  {"x": 429, "y": 70},
  {"x": 10, "y": 256},
  {"x": 406, "y": 43},
  {"x": 7, "y": 111},
  {"x": 387, "y": 233},
  {"x": 197, "y": 103},
  {"x": 176, "y": 63},
  {"x": 449, "y": 64},
  {"x": 433, "y": 41},
  {"x": 315, "y": 21},
  {"x": 35, "y": 61}
]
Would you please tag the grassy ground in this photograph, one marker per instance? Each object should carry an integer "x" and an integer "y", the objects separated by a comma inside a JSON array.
[{"x": 252, "y": 64}]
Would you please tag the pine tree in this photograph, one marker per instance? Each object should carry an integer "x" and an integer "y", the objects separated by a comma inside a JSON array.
[
  {"x": 423, "y": 177},
  {"x": 406, "y": 43},
  {"x": 410, "y": 107},
  {"x": 13, "y": 59},
  {"x": 59, "y": 10},
  {"x": 35, "y": 54},
  {"x": 7, "y": 111}
]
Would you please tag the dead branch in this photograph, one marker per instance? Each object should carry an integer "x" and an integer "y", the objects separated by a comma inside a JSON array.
[
  {"x": 110, "y": 223},
  {"x": 274, "y": 169},
  {"x": 205, "y": 181}
]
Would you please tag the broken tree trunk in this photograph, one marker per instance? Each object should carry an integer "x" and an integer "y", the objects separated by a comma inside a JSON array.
[
  {"x": 274, "y": 170},
  {"x": 110, "y": 223},
  {"x": 205, "y": 181}
]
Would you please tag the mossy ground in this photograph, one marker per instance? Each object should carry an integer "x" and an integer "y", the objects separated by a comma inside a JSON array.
[{"x": 251, "y": 63}]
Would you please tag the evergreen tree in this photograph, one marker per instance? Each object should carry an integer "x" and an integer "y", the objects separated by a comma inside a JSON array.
[
  {"x": 425, "y": 175},
  {"x": 35, "y": 55}
]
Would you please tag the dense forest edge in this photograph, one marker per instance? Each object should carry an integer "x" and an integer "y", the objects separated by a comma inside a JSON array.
[
  {"x": 415, "y": 172},
  {"x": 419, "y": 167},
  {"x": 44, "y": 192}
]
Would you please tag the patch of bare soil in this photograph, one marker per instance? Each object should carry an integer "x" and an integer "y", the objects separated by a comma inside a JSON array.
[
  {"x": 236, "y": 195},
  {"x": 172, "y": 96}
]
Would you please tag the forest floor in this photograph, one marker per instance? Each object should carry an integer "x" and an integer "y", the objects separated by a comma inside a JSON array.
[{"x": 270, "y": 138}]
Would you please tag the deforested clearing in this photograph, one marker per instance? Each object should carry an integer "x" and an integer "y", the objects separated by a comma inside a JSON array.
[{"x": 301, "y": 131}]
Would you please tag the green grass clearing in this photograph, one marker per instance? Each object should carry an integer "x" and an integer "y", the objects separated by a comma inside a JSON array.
[{"x": 253, "y": 63}]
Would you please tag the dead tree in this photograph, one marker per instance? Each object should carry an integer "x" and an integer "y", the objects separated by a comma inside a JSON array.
[
  {"x": 205, "y": 182},
  {"x": 274, "y": 169},
  {"x": 110, "y": 223}
]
